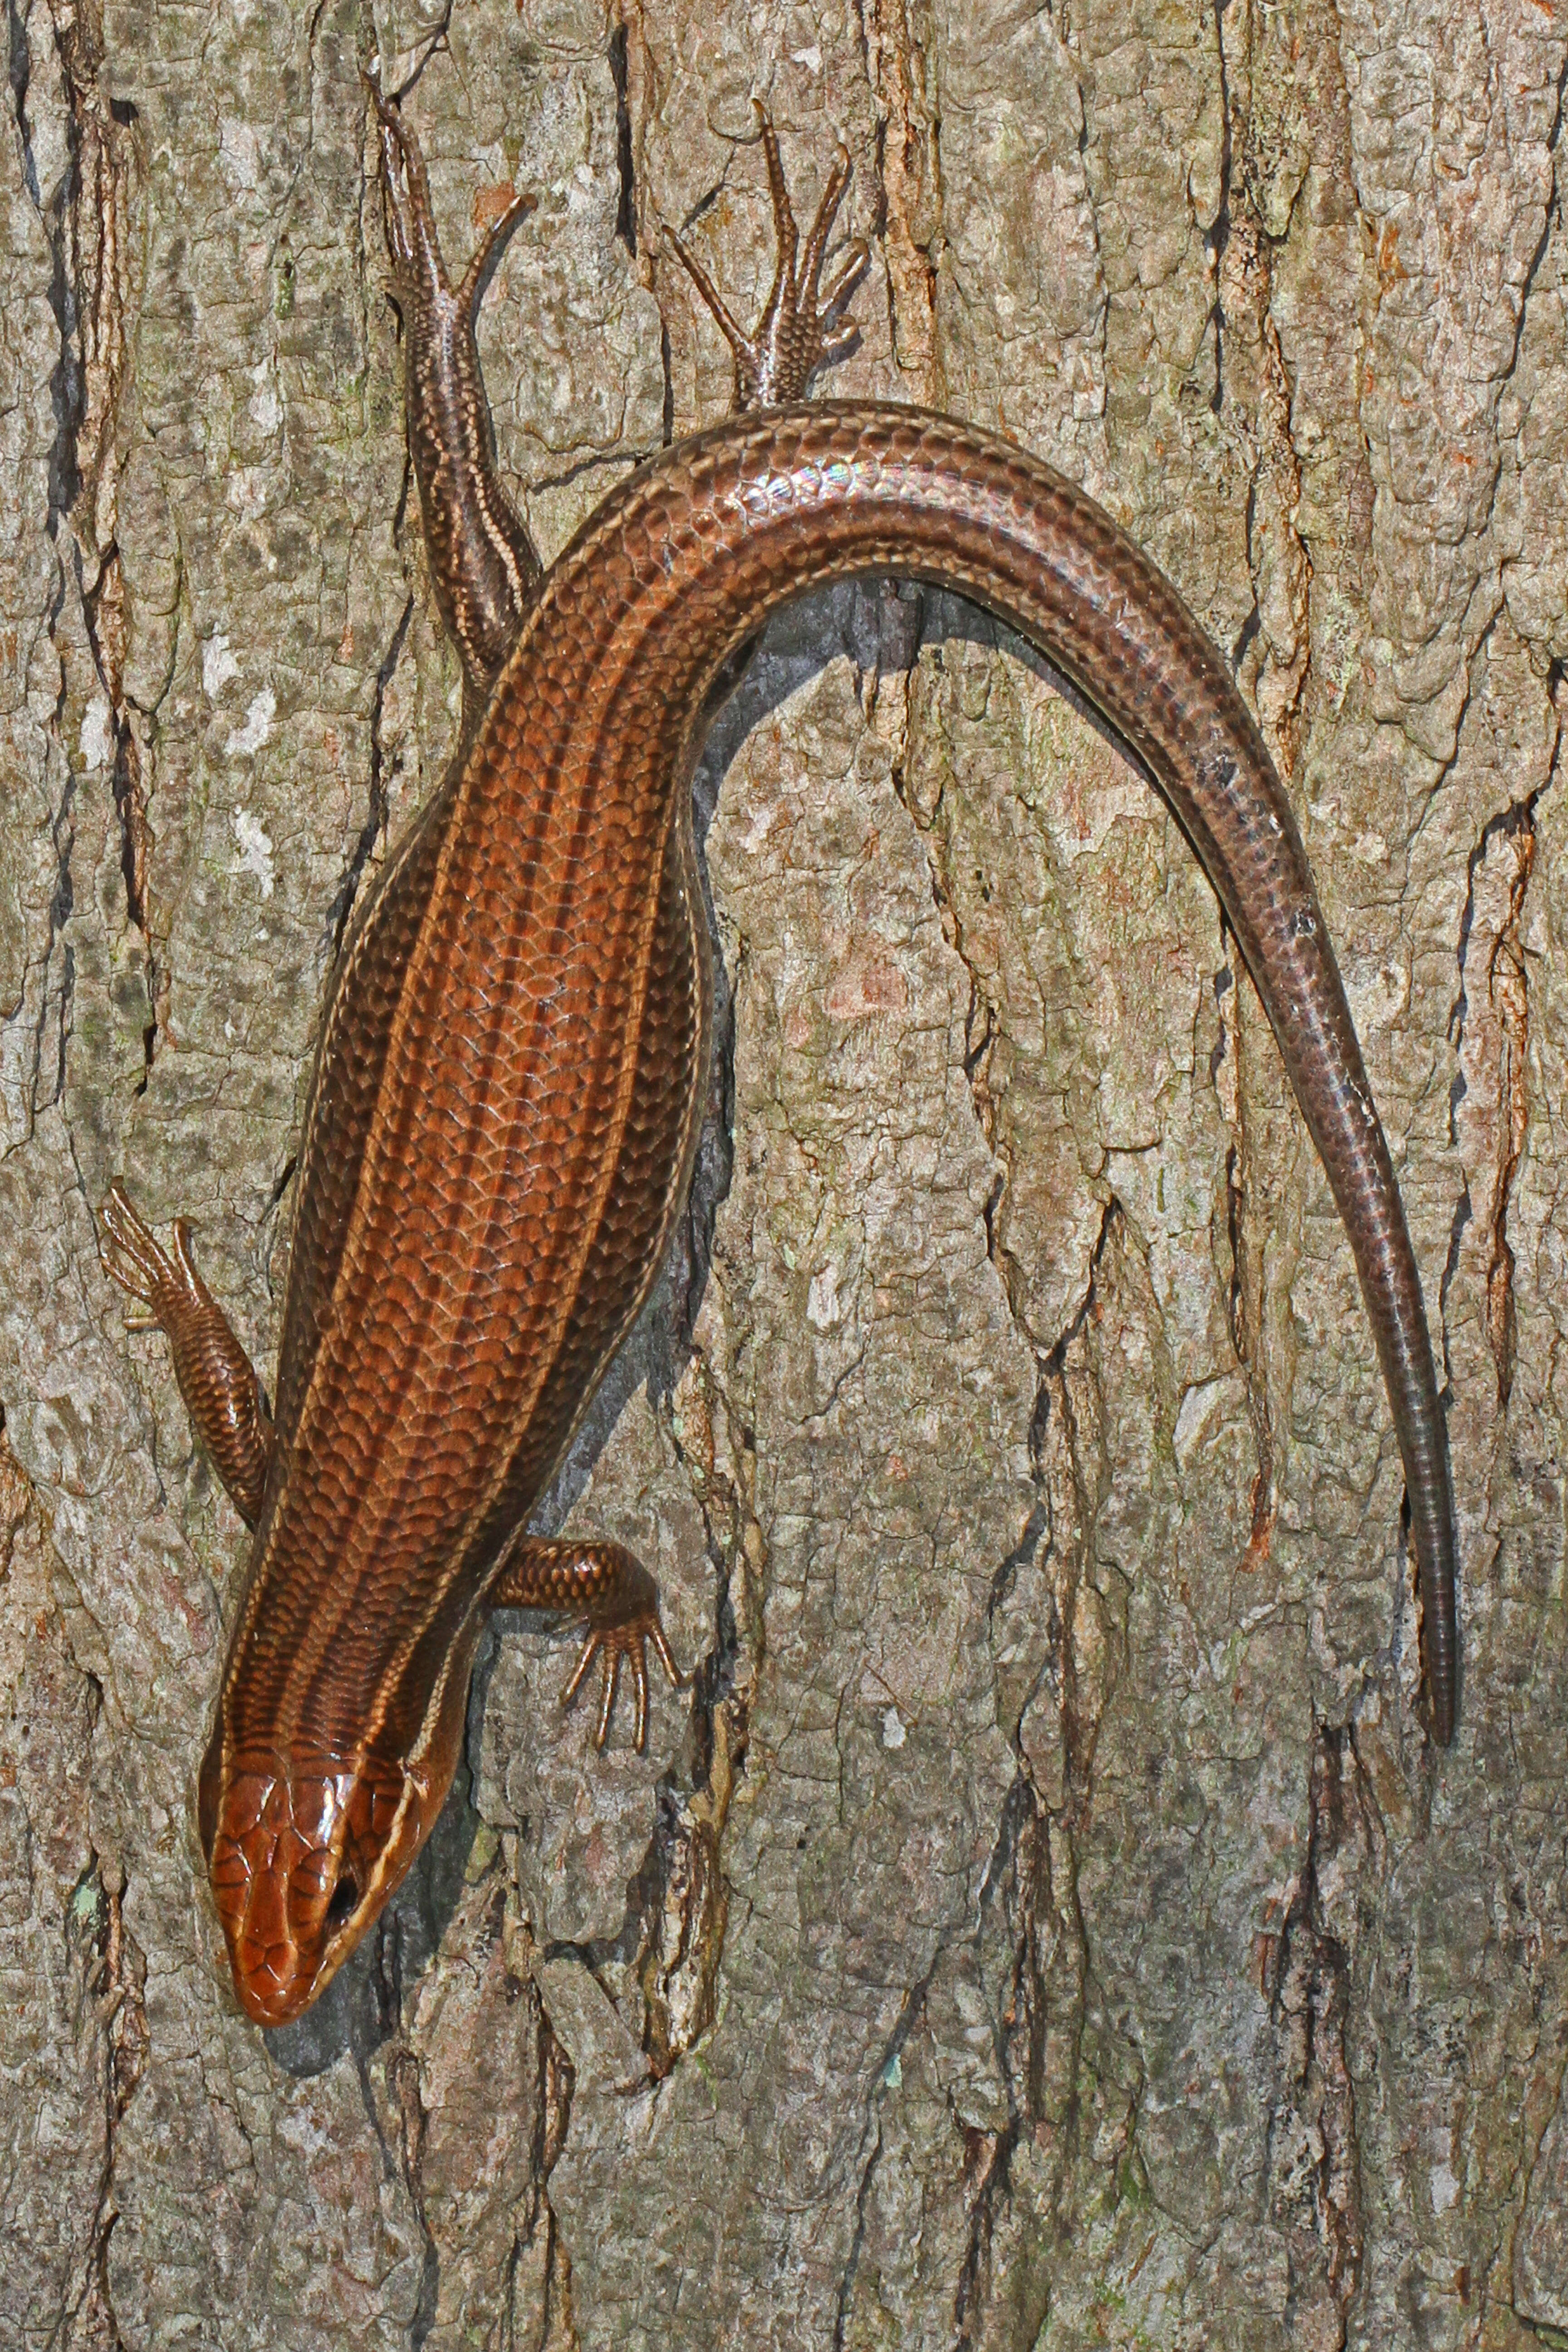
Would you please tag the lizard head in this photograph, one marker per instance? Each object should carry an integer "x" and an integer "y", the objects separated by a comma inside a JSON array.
[{"x": 302, "y": 1856}]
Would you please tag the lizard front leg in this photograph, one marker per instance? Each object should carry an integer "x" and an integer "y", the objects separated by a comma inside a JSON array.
[
  {"x": 609, "y": 1588},
  {"x": 217, "y": 1379}
]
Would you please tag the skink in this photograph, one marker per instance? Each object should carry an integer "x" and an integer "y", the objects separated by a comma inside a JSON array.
[{"x": 506, "y": 1102}]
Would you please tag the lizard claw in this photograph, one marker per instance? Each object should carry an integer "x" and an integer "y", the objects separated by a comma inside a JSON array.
[
  {"x": 800, "y": 329},
  {"x": 611, "y": 1644},
  {"x": 405, "y": 201},
  {"x": 132, "y": 1257}
]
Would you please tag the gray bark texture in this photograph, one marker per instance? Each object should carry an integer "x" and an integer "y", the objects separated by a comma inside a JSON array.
[{"x": 1042, "y": 1921}]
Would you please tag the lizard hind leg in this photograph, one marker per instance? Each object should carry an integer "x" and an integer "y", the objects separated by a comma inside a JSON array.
[
  {"x": 217, "y": 1379},
  {"x": 483, "y": 564},
  {"x": 610, "y": 1588},
  {"x": 800, "y": 330}
]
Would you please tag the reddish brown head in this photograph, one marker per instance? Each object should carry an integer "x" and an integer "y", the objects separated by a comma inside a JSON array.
[{"x": 302, "y": 1858}]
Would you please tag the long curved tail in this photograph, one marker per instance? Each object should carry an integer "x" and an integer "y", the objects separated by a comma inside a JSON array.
[{"x": 592, "y": 721}]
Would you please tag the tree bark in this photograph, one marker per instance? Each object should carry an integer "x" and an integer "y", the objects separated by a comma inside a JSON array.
[{"x": 1044, "y": 1920}]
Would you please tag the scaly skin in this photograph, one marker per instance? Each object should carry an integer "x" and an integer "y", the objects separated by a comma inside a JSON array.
[{"x": 506, "y": 1102}]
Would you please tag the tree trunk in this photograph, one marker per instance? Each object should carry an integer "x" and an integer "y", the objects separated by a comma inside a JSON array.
[{"x": 1043, "y": 1921}]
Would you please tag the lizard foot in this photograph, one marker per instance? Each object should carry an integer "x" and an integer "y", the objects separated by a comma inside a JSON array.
[
  {"x": 610, "y": 1586},
  {"x": 800, "y": 330},
  {"x": 610, "y": 1644}
]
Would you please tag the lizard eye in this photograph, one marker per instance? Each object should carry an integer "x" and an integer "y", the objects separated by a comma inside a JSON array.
[{"x": 345, "y": 1902}]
